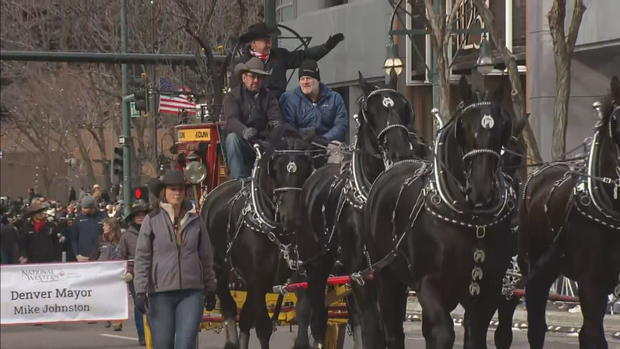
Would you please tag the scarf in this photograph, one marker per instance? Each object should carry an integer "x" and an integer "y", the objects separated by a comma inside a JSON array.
[
  {"x": 38, "y": 226},
  {"x": 262, "y": 56}
]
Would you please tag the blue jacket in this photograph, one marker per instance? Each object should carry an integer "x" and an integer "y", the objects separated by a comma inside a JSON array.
[
  {"x": 328, "y": 116},
  {"x": 86, "y": 232}
]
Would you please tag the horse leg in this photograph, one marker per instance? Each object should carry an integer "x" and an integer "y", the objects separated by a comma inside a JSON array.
[
  {"x": 317, "y": 280},
  {"x": 437, "y": 324},
  {"x": 264, "y": 326},
  {"x": 371, "y": 326},
  {"x": 593, "y": 299},
  {"x": 354, "y": 321},
  {"x": 478, "y": 314},
  {"x": 539, "y": 281},
  {"x": 246, "y": 319},
  {"x": 229, "y": 312},
  {"x": 505, "y": 312},
  {"x": 392, "y": 304},
  {"x": 303, "y": 311}
]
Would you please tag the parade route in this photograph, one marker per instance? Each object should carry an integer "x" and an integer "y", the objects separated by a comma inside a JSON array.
[{"x": 93, "y": 336}]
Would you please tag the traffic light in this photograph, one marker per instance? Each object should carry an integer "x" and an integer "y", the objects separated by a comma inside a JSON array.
[
  {"x": 117, "y": 164},
  {"x": 140, "y": 193},
  {"x": 140, "y": 91}
]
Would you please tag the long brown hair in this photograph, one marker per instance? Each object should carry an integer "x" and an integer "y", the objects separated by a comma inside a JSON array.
[{"x": 115, "y": 229}]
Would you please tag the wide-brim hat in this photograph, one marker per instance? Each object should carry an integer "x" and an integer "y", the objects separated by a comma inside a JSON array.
[
  {"x": 137, "y": 207},
  {"x": 253, "y": 65},
  {"x": 36, "y": 207},
  {"x": 172, "y": 177},
  {"x": 258, "y": 31}
]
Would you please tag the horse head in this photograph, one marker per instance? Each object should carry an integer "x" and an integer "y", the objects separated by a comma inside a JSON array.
[
  {"x": 605, "y": 160},
  {"x": 288, "y": 162},
  {"x": 481, "y": 129},
  {"x": 385, "y": 117}
]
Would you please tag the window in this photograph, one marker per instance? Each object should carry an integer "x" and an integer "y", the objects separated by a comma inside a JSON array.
[
  {"x": 285, "y": 10},
  {"x": 331, "y": 3}
]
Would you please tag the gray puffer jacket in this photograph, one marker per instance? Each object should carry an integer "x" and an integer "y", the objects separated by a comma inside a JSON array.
[{"x": 170, "y": 259}]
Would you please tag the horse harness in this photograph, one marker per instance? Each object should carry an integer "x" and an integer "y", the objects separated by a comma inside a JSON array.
[
  {"x": 253, "y": 216},
  {"x": 433, "y": 199}
]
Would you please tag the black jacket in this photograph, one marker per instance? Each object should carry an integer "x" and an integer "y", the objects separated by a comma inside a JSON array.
[
  {"x": 9, "y": 244},
  {"x": 242, "y": 110},
  {"x": 41, "y": 246},
  {"x": 280, "y": 60}
]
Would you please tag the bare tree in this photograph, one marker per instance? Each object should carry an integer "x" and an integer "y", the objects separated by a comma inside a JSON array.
[{"x": 563, "y": 48}]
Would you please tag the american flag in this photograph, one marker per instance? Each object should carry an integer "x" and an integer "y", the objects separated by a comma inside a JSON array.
[{"x": 171, "y": 102}]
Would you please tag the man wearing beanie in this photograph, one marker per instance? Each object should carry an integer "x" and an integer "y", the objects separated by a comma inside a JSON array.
[
  {"x": 87, "y": 229},
  {"x": 313, "y": 108}
]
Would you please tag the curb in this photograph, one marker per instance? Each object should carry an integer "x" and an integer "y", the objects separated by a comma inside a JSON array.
[{"x": 458, "y": 320}]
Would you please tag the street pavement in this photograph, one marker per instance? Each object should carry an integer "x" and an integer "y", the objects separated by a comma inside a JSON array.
[{"x": 92, "y": 336}]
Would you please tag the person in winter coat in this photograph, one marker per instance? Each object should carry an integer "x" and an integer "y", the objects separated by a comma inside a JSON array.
[
  {"x": 249, "y": 110},
  {"x": 258, "y": 44},
  {"x": 174, "y": 266},
  {"x": 108, "y": 250},
  {"x": 38, "y": 237},
  {"x": 9, "y": 247},
  {"x": 127, "y": 248},
  {"x": 313, "y": 108},
  {"x": 87, "y": 229}
]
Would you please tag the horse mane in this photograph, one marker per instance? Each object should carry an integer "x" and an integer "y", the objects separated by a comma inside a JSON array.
[{"x": 607, "y": 106}]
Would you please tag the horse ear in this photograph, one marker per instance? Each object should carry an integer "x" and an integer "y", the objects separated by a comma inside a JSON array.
[
  {"x": 615, "y": 89},
  {"x": 465, "y": 91},
  {"x": 366, "y": 87}
]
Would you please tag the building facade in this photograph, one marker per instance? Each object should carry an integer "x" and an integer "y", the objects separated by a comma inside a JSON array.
[
  {"x": 596, "y": 60},
  {"x": 365, "y": 24}
]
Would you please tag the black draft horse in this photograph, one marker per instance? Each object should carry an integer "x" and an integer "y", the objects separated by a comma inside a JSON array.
[
  {"x": 570, "y": 224},
  {"x": 251, "y": 226},
  {"x": 442, "y": 228},
  {"x": 334, "y": 197}
]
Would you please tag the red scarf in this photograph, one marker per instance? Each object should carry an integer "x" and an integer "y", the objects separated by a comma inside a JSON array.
[
  {"x": 39, "y": 225},
  {"x": 261, "y": 56}
]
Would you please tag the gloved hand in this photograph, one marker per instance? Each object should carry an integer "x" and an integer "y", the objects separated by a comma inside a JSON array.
[
  {"x": 308, "y": 133},
  {"x": 127, "y": 277},
  {"x": 209, "y": 300},
  {"x": 273, "y": 124},
  {"x": 249, "y": 133},
  {"x": 142, "y": 302},
  {"x": 333, "y": 40}
]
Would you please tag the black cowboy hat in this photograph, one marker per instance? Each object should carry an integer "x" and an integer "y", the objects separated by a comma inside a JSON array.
[
  {"x": 36, "y": 207},
  {"x": 258, "y": 31},
  {"x": 137, "y": 207},
  {"x": 172, "y": 177}
]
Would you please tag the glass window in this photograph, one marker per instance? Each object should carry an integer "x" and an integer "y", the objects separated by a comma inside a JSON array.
[{"x": 285, "y": 10}]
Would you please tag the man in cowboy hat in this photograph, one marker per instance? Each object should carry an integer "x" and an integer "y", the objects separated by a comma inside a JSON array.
[
  {"x": 278, "y": 60},
  {"x": 38, "y": 238},
  {"x": 313, "y": 108},
  {"x": 248, "y": 110}
]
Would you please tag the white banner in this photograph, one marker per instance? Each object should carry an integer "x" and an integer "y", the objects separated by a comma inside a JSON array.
[{"x": 63, "y": 292}]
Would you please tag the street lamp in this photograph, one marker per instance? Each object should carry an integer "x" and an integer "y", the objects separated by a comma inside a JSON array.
[
  {"x": 484, "y": 64},
  {"x": 392, "y": 62}
]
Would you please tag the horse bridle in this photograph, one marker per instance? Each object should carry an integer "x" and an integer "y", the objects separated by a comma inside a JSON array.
[
  {"x": 291, "y": 167},
  {"x": 468, "y": 155},
  {"x": 388, "y": 103}
]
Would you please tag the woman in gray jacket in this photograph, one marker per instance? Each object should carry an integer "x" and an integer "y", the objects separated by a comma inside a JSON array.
[{"x": 173, "y": 266}]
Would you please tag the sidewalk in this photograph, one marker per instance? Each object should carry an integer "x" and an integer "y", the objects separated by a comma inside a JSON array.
[{"x": 557, "y": 320}]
